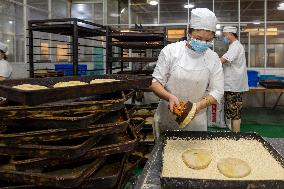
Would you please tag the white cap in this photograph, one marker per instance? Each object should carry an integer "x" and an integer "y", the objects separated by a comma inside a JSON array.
[
  {"x": 203, "y": 18},
  {"x": 230, "y": 29},
  {"x": 3, "y": 47}
]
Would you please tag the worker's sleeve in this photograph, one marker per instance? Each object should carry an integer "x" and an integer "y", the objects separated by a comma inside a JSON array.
[
  {"x": 216, "y": 83},
  {"x": 162, "y": 69},
  {"x": 231, "y": 54}
]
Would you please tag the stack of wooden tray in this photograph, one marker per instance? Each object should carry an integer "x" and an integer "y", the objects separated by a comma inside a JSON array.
[{"x": 73, "y": 143}]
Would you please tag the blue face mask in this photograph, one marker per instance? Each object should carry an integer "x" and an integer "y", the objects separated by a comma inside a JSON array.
[
  {"x": 198, "y": 45},
  {"x": 226, "y": 41}
]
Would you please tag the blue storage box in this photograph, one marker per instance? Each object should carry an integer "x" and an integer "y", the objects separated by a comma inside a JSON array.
[
  {"x": 252, "y": 75},
  {"x": 68, "y": 69},
  {"x": 252, "y": 83}
]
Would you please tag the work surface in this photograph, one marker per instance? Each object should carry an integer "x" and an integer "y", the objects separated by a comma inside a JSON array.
[{"x": 150, "y": 178}]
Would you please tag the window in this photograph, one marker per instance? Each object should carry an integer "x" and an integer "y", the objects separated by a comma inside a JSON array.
[{"x": 144, "y": 12}]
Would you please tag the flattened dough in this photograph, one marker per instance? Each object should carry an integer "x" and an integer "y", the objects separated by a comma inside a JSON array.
[
  {"x": 29, "y": 87},
  {"x": 233, "y": 167},
  {"x": 69, "y": 84},
  {"x": 95, "y": 81},
  {"x": 197, "y": 158},
  {"x": 149, "y": 120}
]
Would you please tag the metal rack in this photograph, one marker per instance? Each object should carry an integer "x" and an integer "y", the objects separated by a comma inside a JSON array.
[
  {"x": 74, "y": 29},
  {"x": 137, "y": 41}
]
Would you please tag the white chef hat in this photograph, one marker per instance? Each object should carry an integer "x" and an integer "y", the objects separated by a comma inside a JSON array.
[
  {"x": 230, "y": 29},
  {"x": 3, "y": 47},
  {"x": 203, "y": 18}
]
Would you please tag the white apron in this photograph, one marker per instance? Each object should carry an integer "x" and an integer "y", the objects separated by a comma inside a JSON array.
[{"x": 188, "y": 81}]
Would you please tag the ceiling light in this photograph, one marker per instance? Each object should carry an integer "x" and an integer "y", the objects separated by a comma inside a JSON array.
[
  {"x": 152, "y": 2},
  {"x": 218, "y": 26},
  {"x": 189, "y": 6},
  {"x": 80, "y": 7},
  {"x": 8, "y": 40},
  {"x": 122, "y": 10},
  {"x": 114, "y": 15},
  {"x": 256, "y": 23},
  {"x": 10, "y": 22}
]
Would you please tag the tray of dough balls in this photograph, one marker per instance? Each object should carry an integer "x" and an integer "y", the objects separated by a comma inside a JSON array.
[
  {"x": 35, "y": 91},
  {"x": 199, "y": 159}
]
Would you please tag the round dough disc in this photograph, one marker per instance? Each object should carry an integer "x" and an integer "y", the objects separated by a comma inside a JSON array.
[
  {"x": 197, "y": 158},
  {"x": 233, "y": 168}
]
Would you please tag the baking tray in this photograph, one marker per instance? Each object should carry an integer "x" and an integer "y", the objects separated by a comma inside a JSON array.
[
  {"x": 66, "y": 176},
  {"x": 55, "y": 120},
  {"x": 135, "y": 110},
  {"x": 171, "y": 183},
  {"x": 272, "y": 85},
  {"x": 108, "y": 175},
  {"x": 63, "y": 148},
  {"x": 138, "y": 45},
  {"x": 11, "y": 185},
  {"x": 108, "y": 101},
  {"x": 109, "y": 145},
  {"x": 138, "y": 36},
  {"x": 126, "y": 82},
  {"x": 113, "y": 122}
]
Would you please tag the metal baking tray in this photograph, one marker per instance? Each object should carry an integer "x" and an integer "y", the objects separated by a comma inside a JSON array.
[
  {"x": 108, "y": 175},
  {"x": 108, "y": 101},
  {"x": 138, "y": 36},
  {"x": 135, "y": 110},
  {"x": 54, "y": 120},
  {"x": 139, "y": 45},
  {"x": 272, "y": 85},
  {"x": 113, "y": 122},
  {"x": 109, "y": 145},
  {"x": 63, "y": 148},
  {"x": 10, "y": 185},
  {"x": 65, "y": 176},
  {"x": 126, "y": 82},
  {"x": 171, "y": 183}
]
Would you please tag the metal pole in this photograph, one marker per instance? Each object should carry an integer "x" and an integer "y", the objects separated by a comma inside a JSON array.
[
  {"x": 75, "y": 47},
  {"x": 108, "y": 51},
  {"x": 25, "y": 30},
  {"x": 31, "y": 52},
  {"x": 249, "y": 49},
  {"x": 265, "y": 38},
  {"x": 159, "y": 12},
  {"x": 239, "y": 19}
]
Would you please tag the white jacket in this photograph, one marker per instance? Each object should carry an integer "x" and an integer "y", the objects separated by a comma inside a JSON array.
[{"x": 235, "y": 70}]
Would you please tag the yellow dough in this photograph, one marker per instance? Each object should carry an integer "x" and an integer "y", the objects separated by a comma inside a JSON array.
[
  {"x": 69, "y": 84},
  {"x": 29, "y": 87},
  {"x": 149, "y": 120},
  {"x": 96, "y": 81},
  {"x": 197, "y": 158},
  {"x": 233, "y": 168}
]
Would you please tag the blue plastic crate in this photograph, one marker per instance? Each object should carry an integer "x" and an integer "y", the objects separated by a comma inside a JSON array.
[
  {"x": 252, "y": 75},
  {"x": 252, "y": 83},
  {"x": 68, "y": 69}
]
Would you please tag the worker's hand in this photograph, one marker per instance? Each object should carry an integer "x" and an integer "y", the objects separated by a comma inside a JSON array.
[{"x": 173, "y": 100}]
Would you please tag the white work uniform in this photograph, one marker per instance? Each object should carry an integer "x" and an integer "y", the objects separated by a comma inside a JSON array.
[
  {"x": 189, "y": 76},
  {"x": 235, "y": 70},
  {"x": 5, "y": 69}
]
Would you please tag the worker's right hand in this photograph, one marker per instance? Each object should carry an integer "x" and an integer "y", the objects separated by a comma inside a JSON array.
[{"x": 173, "y": 100}]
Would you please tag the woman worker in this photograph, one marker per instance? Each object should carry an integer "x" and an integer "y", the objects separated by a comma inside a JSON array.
[
  {"x": 188, "y": 71},
  {"x": 5, "y": 67}
]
